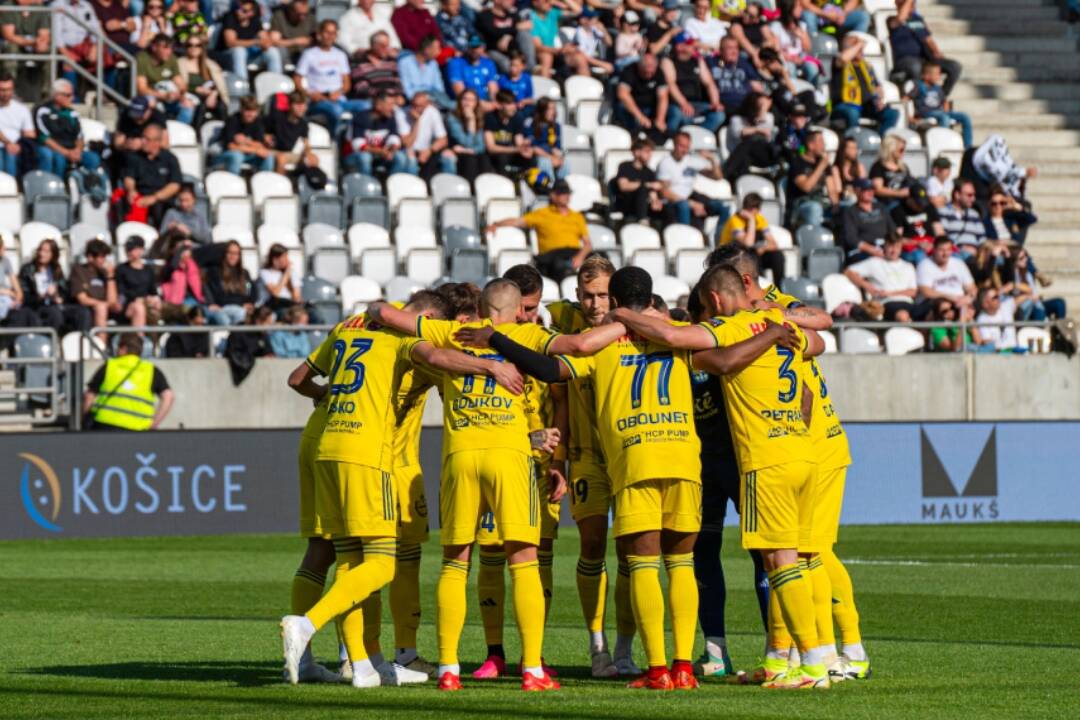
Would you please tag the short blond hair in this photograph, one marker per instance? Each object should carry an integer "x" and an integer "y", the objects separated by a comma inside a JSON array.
[{"x": 593, "y": 267}]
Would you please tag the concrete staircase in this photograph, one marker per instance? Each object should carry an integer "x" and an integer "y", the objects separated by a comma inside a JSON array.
[{"x": 1021, "y": 80}]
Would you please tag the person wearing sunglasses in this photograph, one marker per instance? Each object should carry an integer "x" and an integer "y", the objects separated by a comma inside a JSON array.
[
  {"x": 996, "y": 308},
  {"x": 59, "y": 133},
  {"x": 157, "y": 74},
  {"x": 205, "y": 79},
  {"x": 244, "y": 41},
  {"x": 151, "y": 25}
]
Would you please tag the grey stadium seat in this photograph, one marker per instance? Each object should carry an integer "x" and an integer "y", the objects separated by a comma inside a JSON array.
[
  {"x": 805, "y": 289},
  {"x": 322, "y": 295}
]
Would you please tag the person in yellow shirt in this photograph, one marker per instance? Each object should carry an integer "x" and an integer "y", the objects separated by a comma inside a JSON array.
[
  {"x": 562, "y": 236},
  {"x": 486, "y": 463},
  {"x": 775, "y": 451},
  {"x": 749, "y": 228},
  {"x": 354, "y": 496}
]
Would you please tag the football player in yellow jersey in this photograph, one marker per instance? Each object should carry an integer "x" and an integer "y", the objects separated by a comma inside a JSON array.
[
  {"x": 833, "y": 461},
  {"x": 486, "y": 462},
  {"x": 354, "y": 498}
]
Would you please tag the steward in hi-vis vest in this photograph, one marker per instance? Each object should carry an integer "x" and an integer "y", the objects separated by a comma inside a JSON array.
[{"x": 121, "y": 394}]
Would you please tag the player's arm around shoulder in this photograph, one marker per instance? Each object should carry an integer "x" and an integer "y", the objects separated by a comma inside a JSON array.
[
  {"x": 661, "y": 330},
  {"x": 459, "y": 363},
  {"x": 404, "y": 321},
  {"x": 587, "y": 343},
  {"x": 734, "y": 357}
]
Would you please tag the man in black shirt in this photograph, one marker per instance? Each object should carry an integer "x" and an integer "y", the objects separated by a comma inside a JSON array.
[
  {"x": 635, "y": 189},
  {"x": 152, "y": 177},
  {"x": 141, "y": 112},
  {"x": 866, "y": 224},
  {"x": 505, "y": 29},
  {"x": 811, "y": 187},
  {"x": 287, "y": 129},
  {"x": 504, "y": 140},
  {"x": 375, "y": 141},
  {"x": 693, "y": 98},
  {"x": 244, "y": 41},
  {"x": 643, "y": 99},
  {"x": 136, "y": 285},
  {"x": 246, "y": 139},
  {"x": 659, "y": 35}
]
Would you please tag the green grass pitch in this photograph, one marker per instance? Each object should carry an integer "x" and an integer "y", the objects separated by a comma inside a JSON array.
[{"x": 960, "y": 621}]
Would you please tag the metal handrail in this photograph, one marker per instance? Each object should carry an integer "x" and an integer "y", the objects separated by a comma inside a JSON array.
[
  {"x": 53, "y": 391},
  {"x": 54, "y": 56},
  {"x": 159, "y": 330}
]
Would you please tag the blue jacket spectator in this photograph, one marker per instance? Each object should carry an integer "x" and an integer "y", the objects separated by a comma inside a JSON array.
[
  {"x": 735, "y": 76},
  {"x": 456, "y": 22},
  {"x": 912, "y": 44},
  {"x": 475, "y": 72},
  {"x": 518, "y": 81}
]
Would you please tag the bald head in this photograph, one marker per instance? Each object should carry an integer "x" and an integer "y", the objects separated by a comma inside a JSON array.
[{"x": 501, "y": 301}]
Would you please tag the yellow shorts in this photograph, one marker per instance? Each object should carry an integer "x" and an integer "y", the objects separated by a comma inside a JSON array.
[
  {"x": 825, "y": 516},
  {"x": 662, "y": 504},
  {"x": 498, "y": 479},
  {"x": 777, "y": 504},
  {"x": 354, "y": 500},
  {"x": 590, "y": 490},
  {"x": 309, "y": 527},
  {"x": 412, "y": 504}
]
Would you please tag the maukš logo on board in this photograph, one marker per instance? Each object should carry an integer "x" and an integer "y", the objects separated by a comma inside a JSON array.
[{"x": 959, "y": 482}]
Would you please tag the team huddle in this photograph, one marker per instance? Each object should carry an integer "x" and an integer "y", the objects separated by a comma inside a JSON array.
[{"x": 653, "y": 421}]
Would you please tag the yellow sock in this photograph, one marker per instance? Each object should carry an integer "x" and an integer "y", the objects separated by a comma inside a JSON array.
[
  {"x": 307, "y": 587},
  {"x": 779, "y": 637},
  {"x": 528, "y": 594},
  {"x": 796, "y": 604},
  {"x": 371, "y": 566},
  {"x": 821, "y": 592},
  {"x": 372, "y": 609},
  {"x": 592, "y": 591},
  {"x": 405, "y": 596},
  {"x": 546, "y": 559},
  {"x": 491, "y": 588},
  {"x": 647, "y": 598},
  {"x": 625, "y": 623},
  {"x": 845, "y": 614},
  {"x": 451, "y": 608},
  {"x": 682, "y": 603}
]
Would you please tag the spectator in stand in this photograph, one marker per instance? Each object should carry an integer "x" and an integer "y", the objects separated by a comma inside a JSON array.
[
  {"x": 158, "y": 75},
  {"x": 414, "y": 24},
  {"x": 948, "y": 339},
  {"x": 185, "y": 218},
  {"x": 635, "y": 191},
  {"x": 919, "y": 223},
  {"x": 12, "y": 312},
  {"x": 793, "y": 43},
  {"x": 376, "y": 71},
  {"x": 59, "y": 134},
  {"x": 506, "y": 30},
  {"x": 890, "y": 176},
  {"x": 544, "y": 134},
  {"x": 122, "y": 28},
  {"x": 1007, "y": 219},
  {"x": 1030, "y": 304},
  {"x": 837, "y": 16},
  {"x": 181, "y": 282},
  {"x": 944, "y": 276},
  {"x": 324, "y": 71},
  {"x": 642, "y": 99},
  {"x": 16, "y": 128},
  {"x": 988, "y": 264},
  {"x": 593, "y": 43},
  {"x": 136, "y": 286},
  {"x": 751, "y": 31},
  {"x": 677, "y": 172},
  {"x": 420, "y": 72},
  {"x": 562, "y": 235},
  {"x": 474, "y": 71},
  {"x": 466, "y": 131},
  {"x": 791, "y": 137},
  {"x": 140, "y": 113},
  {"x": 939, "y": 186},
  {"x": 961, "y": 220},
  {"x": 45, "y": 291},
  {"x": 931, "y": 102},
  {"x": 246, "y": 139},
  {"x": 912, "y": 44},
  {"x": 504, "y": 139},
  {"x": 629, "y": 43},
  {"x": 856, "y": 92},
  {"x": 189, "y": 344},
  {"x": 151, "y": 179},
  {"x": 866, "y": 225},
  {"x": 1001, "y": 311},
  {"x": 693, "y": 97},
  {"x": 812, "y": 189},
  {"x": 205, "y": 80},
  {"x": 456, "y": 26},
  {"x": 375, "y": 142},
  {"x": 280, "y": 283},
  {"x": 890, "y": 280},
  {"x": 72, "y": 38},
  {"x": 518, "y": 82},
  {"x": 734, "y": 76},
  {"x": 23, "y": 31},
  {"x": 289, "y": 131},
  {"x": 424, "y": 138},
  {"x": 230, "y": 293},
  {"x": 292, "y": 27},
  {"x": 93, "y": 284},
  {"x": 750, "y": 137},
  {"x": 150, "y": 26},
  {"x": 188, "y": 21},
  {"x": 661, "y": 34},
  {"x": 545, "y": 16},
  {"x": 134, "y": 408},
  {"x": 292, "y": 343},
  {"x": 749, "y": 228},
  {"x": 847, "y": 168},
  {"x": 244, "y": 41},
  {"x": 705, "y": 29},
  {"x": 360, "y": 25}
]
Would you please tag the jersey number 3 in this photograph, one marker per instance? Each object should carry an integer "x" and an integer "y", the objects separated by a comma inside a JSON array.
[
  {"x": 353, "y": 365},
  {"x": 788, "y": 375}
]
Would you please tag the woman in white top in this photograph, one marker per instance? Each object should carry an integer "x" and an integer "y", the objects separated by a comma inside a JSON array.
[
  {"x": 152, "y": 23},
  {"x": 704, "y": 28},
  {"x": 793, "y": 43},
  {"x": 280, "y": 281}
]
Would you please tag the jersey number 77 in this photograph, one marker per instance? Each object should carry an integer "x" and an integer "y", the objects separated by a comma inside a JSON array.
[{"x": 641, "y": 363}]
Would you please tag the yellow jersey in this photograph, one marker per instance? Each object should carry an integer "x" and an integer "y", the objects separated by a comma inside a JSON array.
[
  {"x": 644, "y": 411},
  {"x": 764, "y": 400},
  {"x": 479, "y": 413},
  {"x": 736, "y": 223},
  {"x": 584, "y": 446},
  {"x": 409, "y": 402},
  {"x": 556, "y": 230},
  {"x": 773, "y": 295},
  {"x": 363, "y": 366}
]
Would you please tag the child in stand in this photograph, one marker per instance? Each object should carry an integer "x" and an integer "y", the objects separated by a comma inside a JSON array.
[
  {"x": 939, "y": 185},
  {"x": 593, "y": 41},
  {"x": 519, "y": 83},
  {"x": 932, "y": 104},
  {"x": 629, "y": 44}
]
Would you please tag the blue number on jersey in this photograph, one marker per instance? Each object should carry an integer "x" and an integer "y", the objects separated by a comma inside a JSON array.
[
  {"x": 353, "y": 365},
  {"x": 786, "y": 373}
]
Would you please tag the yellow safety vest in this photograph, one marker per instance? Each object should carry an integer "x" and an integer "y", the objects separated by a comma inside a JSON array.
[
  {"x": 125, "y": 399},
  {"x": 851, "y": 84}
]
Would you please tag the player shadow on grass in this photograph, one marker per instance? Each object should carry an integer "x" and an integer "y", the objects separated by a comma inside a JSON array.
[{"x": 242, "y": 673}]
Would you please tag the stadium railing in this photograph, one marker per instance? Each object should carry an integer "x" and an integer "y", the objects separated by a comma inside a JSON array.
[{"x": 42, "y": 383}]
